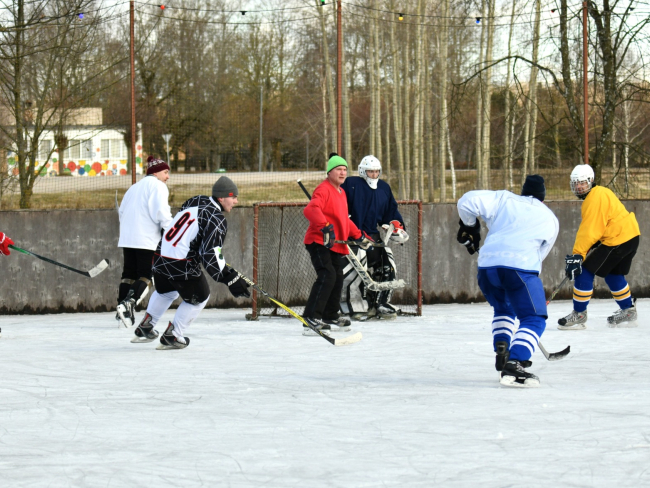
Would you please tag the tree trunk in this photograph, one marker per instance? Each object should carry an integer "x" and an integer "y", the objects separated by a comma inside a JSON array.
[
  {"x": 507, "y": 155},
  {"x": 397, "y": 111},
  {"x": 347, "y": 128},
  {"x": 443, "y": 73},
  {"x": 417, "y": 137},
  {"x": 331, "y": 93},
  {"x": 377, "y": 93},
  {"x": 406, "y": 112},
  {"x": 479, "y": 102},
  {"x": 487, "y": 101},
  {"x": 532, "y": 135}
]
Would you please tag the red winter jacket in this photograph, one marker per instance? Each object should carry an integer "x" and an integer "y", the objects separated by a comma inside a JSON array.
[{"x": 329, "y": 205}]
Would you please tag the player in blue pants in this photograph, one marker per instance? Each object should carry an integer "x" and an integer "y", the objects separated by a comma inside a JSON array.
[{"x": 522, "y": 231}]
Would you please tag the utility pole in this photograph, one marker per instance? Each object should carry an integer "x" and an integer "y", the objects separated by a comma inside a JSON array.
[
  {"x": 585, "y": 81},
  {"x": 261, "y": 116},
  {"x": 339, "y": 80},
  {"x": 132, "y": 54}
]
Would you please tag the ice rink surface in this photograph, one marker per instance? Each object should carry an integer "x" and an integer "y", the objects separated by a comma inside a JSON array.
[{"x": 250, "y": 404}]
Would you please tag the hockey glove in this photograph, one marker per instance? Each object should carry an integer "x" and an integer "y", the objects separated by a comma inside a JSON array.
[
  {"x": 328, "y": 236},
  {"x": 237, "y": 286},
  {"x": 469, "y": 236},
  {"x": 399, "y": 234},
  {"x": 4, "y": 244},
  {"x": 365, "y": 242},
  {"x": 573, "y": 267}
]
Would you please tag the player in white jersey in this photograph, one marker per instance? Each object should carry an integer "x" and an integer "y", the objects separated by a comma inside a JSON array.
[
  {"x": 522, "y": 231},
  {"x": 193, "y": 238},
  {"x": 144, "y": 212}
]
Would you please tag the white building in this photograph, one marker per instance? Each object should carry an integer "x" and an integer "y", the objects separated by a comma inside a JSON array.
[{"x": 93, "y": 149}]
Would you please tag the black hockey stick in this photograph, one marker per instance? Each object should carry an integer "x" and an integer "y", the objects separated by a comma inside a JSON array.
[
  {"x": 552, "y": 356},
  {"x": 90, "y": 274},
  {"x": 555, "y": 292},
  {"x": 351, "y": 339},
  {"x": 352, "y": 243}
]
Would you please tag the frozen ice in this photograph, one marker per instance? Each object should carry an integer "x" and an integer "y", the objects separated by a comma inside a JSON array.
[{"x": 416, "y": 403}]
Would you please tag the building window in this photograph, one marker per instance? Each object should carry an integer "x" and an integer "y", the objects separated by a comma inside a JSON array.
[
  {"x": 44, "y": 150},
  {"x": 87, "y": 150},
  {"x": 73, "y": 151},
  {"x": 113, "y": 148}
]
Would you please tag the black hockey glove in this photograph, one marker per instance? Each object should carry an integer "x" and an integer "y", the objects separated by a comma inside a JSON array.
[
  {"x": 573, "y": 267},
  {"x": 469, "y": 236},
  {"x": 328, "y": 236},
  {"x": 365, "y": 242},
  {"x": 237, "y": 286}
]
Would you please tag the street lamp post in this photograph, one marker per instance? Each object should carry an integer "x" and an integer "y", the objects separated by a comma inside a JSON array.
[{"x": 167, "y": 137}]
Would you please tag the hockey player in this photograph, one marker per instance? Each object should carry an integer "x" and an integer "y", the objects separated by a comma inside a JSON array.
[
  {"x": 614, "y": 233},
  {"x": 194, "y": 238},
  {"x": 522, "y": 231},
  {"x": 144, "y": 212},
  {"x": 327, "y": 213},
  {"x": 372, "y": 208},
  {"x": 5, "y": 240}
]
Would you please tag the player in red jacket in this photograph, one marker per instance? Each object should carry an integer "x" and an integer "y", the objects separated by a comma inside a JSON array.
[{"x": 327, "y": 213}]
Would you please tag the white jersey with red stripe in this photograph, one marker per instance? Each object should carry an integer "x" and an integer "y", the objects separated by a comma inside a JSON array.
[{"x": 194, "y": 238}]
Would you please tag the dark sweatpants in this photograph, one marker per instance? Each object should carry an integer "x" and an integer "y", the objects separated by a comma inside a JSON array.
[
  {"x": 136, "y": 273},
  {"x": 325, "y": 294}
]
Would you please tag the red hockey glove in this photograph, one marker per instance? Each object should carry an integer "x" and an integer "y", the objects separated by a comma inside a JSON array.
[
  {"x": 397, "y": 224},
  {"x": 4, "y": 244}
]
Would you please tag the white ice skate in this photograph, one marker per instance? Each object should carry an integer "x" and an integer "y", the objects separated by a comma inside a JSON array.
[
  {"x": 573, "y": 321},
  {"x": 623, "y": 318},
  {"x": 126, "y": 312}
]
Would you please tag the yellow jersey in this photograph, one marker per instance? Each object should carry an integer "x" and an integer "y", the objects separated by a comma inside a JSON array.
[{"x": 604, "y": 219}]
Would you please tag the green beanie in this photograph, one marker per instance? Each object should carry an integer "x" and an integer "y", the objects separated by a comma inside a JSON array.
[{"x": 335, "y": 161}]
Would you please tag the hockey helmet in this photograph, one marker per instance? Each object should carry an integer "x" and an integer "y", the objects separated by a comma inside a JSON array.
[
  {"x": 583, "y": 173},
  {"x": 370, "y": 163}
]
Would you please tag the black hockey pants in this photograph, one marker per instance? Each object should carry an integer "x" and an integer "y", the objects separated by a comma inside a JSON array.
[{"x": 325, "y": 294}]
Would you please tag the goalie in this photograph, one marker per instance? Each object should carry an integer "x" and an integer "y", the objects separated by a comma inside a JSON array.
[{"x": 373, "y": 209}]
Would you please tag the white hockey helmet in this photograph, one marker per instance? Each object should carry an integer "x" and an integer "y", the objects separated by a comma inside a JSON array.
[
  {"x": 370, "y": 163},
  {"x": 583, "y": 173}
]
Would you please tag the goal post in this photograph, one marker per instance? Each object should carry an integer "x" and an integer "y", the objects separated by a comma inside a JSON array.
[{"x": 282, "y": 266}]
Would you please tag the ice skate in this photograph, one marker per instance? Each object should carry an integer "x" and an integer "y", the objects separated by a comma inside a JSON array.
[
  {"x": 342, "y": 323},
  {"x": 573, "y": 321},
  {"x": 386, "y": 311},
  {"x": 126, "y": 312},
  {"x": 502, "y": 355},
  {"x": 145, "y": 331},
  {"x": 623, "y": 318},
  {"x": 515, "y": 375},
  {"x": 316, "y": 324},
  {"x": 169, "y": 341}
]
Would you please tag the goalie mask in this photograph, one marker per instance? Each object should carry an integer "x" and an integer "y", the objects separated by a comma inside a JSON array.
[
  {"x": 582, "y": 180},
  {"x": 370, "y": 163}
]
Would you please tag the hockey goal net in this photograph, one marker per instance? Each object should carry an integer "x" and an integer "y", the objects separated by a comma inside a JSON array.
[{"x": 282, "y": 267}]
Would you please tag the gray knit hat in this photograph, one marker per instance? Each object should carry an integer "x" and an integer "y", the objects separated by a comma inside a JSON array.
[{"x": 224, "y": 187}]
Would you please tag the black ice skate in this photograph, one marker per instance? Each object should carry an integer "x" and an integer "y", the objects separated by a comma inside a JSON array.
[
  {"x": 145, "y": 331},
  {"x": 169, "y": 341},
  {"x": 126, "y": 311},
  {"x": 502, "y": 355},
  {"x": 343, "y": 323},
  {"x": 316, "y": 324},
  {"x": 514, "y": 374}
]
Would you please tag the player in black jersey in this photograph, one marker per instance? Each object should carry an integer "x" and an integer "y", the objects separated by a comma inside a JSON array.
[{"x": 194, "y": 238}]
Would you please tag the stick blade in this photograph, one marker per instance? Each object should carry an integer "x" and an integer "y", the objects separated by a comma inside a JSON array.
[
  {"x": 556, "y": 356},
  {"x": 99, "y": 268},
  {"x": 346, "y": 341}
]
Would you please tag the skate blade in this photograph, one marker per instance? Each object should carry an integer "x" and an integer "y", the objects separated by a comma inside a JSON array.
[
  {"x": 163, "y": 347},
  {"x": 623, "y": 325},
  {"x": 142, "y": 340},
  {"x": 127, "y": 322},
  {"x": 512, "y": 381},
  {"x": 572, "y": 327}
]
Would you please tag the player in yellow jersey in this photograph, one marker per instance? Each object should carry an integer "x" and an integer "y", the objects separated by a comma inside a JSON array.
[{"x": 613, "y": 233}]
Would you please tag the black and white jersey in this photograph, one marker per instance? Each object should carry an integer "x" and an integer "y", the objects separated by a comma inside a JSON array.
[{"x": 194, "y": 238}]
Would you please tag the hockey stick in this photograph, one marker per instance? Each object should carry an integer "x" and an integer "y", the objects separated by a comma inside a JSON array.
[
  {"x": 555, "y": 292},
  {"x": 351, "y": 339},
  {"x": 352, "y": 243},
  {"x": 552, "y": 356},
  {"x": 91, "y": 273},
  {"x": 368, "y": 282}
]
